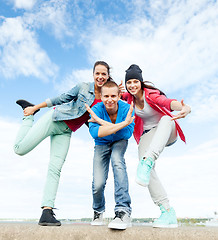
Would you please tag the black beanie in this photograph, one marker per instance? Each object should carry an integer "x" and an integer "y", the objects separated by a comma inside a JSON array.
[{"x": 133, "y": 72}]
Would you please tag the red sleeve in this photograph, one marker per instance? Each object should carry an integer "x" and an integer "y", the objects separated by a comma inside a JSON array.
[{"x": 161, "y": 100}]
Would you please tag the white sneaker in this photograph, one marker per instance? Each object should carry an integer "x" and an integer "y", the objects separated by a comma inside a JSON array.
[
  {"x": 98, "y": 219},
  {"x": 121, "y": 221}
]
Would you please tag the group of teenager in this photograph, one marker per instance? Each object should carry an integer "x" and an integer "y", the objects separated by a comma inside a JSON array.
[{"x": 112, "y": 116}]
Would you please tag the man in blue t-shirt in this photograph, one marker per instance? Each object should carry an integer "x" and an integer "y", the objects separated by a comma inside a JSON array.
[{"x": 111, "y": 125}]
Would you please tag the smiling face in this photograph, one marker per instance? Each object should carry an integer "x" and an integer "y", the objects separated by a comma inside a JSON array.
[
  {"x": 100, "y": 75},
  {"x": 134, "y": 86},
  {"x": 110, "y": 97}
]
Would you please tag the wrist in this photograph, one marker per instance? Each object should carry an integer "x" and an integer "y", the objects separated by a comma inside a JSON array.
[{"x": 35, "y": 108}]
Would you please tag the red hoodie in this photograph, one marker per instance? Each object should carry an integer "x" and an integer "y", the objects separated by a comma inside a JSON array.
[{"x": 158, "y": 102}]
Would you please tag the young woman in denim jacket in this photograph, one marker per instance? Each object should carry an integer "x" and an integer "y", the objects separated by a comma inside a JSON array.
[
  {"x": 68, "y": 115},
  {"x": 155, "y": 128}
]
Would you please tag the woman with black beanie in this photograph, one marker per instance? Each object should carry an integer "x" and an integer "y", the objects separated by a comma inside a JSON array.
[{"x": 155, "y": 128}]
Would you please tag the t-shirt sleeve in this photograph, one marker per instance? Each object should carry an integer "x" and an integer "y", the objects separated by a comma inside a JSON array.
[{"x": 93, "y": 126}]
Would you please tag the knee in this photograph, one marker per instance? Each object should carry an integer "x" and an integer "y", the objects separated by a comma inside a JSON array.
[
  {"x": 118, "y": 161},
  {"x": 54, "y": 170},
  {"x": 167, "y": 120},
  {"x": 97, "y": 186},
  {"x": 18, "y": 151}
]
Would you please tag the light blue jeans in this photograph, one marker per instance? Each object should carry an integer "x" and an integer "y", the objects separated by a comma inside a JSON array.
[
  {"x": 102, "y": 155},
  {"x": 29, "y": 136}
]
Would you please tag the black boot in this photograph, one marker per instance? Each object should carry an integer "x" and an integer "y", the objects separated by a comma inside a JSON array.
[
  {"x": 48, "y": 218},
  {"x": 23, "y": 103}
]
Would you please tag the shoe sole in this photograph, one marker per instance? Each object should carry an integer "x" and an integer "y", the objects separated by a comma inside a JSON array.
[
  {"x": 119, "y": 227},
  {"x": 30, "y": 105},
  {"x": 140, "y": 182},
  {"x": 97, "y": 224},
  {"x": 165, "y": 226},
  {"x": 50, "y": 224}
]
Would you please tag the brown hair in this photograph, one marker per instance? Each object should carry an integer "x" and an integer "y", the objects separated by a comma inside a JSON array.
[
  {"x": 147, "y": 84},
  {"x": 106, "y": 65},
  {"x": 110, "y": 84}
]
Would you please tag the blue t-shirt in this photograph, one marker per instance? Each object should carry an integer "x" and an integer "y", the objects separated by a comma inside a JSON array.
[{"x": 125, "y": 133}]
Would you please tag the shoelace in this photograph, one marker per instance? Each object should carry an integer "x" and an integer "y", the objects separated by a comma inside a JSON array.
[
  {"x": 149, "y": 164},
  {"x": 52, "y": 213},
  {"x": 119, "y": 215},
  {"x": 96, "y": 215}
]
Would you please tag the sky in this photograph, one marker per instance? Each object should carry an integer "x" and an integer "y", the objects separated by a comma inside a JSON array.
[{"x": 48, "y": 46}]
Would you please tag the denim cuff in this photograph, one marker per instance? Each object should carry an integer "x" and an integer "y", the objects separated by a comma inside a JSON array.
[{"x": 48, "y": 102}]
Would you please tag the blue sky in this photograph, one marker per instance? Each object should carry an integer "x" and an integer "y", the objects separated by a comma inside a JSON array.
[{"x": 46, "y": 47}]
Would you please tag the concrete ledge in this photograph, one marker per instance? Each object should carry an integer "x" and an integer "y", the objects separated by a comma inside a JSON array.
[{"x": 31, "y": 231}]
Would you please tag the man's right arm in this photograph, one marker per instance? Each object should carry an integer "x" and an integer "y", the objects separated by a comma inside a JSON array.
[{"x": 98, "y": 130}]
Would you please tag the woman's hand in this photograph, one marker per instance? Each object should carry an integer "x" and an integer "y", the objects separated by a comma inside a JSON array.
[
  {"x": 29, "y": 111},
  {"x": 184, "y": 111},
  {"x": 129, "y": 119}
]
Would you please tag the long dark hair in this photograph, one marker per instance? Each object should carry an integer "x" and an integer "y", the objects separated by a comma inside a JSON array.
[
  {"x": 106, "y": 65},
  {"x": 150, "y": 85}
]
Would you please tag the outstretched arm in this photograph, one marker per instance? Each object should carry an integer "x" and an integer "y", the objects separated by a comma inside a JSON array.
[{"x": 183, "y": 109}]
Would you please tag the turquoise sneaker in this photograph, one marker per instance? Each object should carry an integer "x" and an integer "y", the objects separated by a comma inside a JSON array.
[
  {"x": 166, "y": 219},
  {"x": 144, "y": 171}
]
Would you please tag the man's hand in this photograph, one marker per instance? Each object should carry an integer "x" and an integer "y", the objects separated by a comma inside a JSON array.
[
  {"x": 94, "y": 117},
  {"x": 129, "y": 119}
]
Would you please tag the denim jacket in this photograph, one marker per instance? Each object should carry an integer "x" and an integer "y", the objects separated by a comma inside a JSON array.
[{"x": 71, "y": 105}]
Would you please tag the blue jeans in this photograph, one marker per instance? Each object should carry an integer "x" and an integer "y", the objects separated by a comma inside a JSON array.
[{"x": 102, "y": 155}]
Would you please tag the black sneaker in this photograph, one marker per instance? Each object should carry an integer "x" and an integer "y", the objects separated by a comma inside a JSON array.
[
  {"x": 23, "y": 103},
  {"x": 48, "y": 219}
]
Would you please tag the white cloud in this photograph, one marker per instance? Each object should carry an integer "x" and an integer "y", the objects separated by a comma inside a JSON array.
[
  {"x": 175, "y": 52},
  {"x": 21, "y": 54},
  {"x": 54, "y": 17},
  {"x": 74, "y": 78},
  {"x": 204, "y": 102},
  {"x": 24, "y": 4}
]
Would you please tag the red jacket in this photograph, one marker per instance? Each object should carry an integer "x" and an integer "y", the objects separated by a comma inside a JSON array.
[{"x": 158, "y": 102}]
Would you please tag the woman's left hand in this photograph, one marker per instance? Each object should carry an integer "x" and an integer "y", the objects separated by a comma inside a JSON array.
[{"x": 184, "y": 111}]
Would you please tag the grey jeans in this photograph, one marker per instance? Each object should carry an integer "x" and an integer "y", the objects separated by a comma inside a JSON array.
[{"x": 152, "y": 144}]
